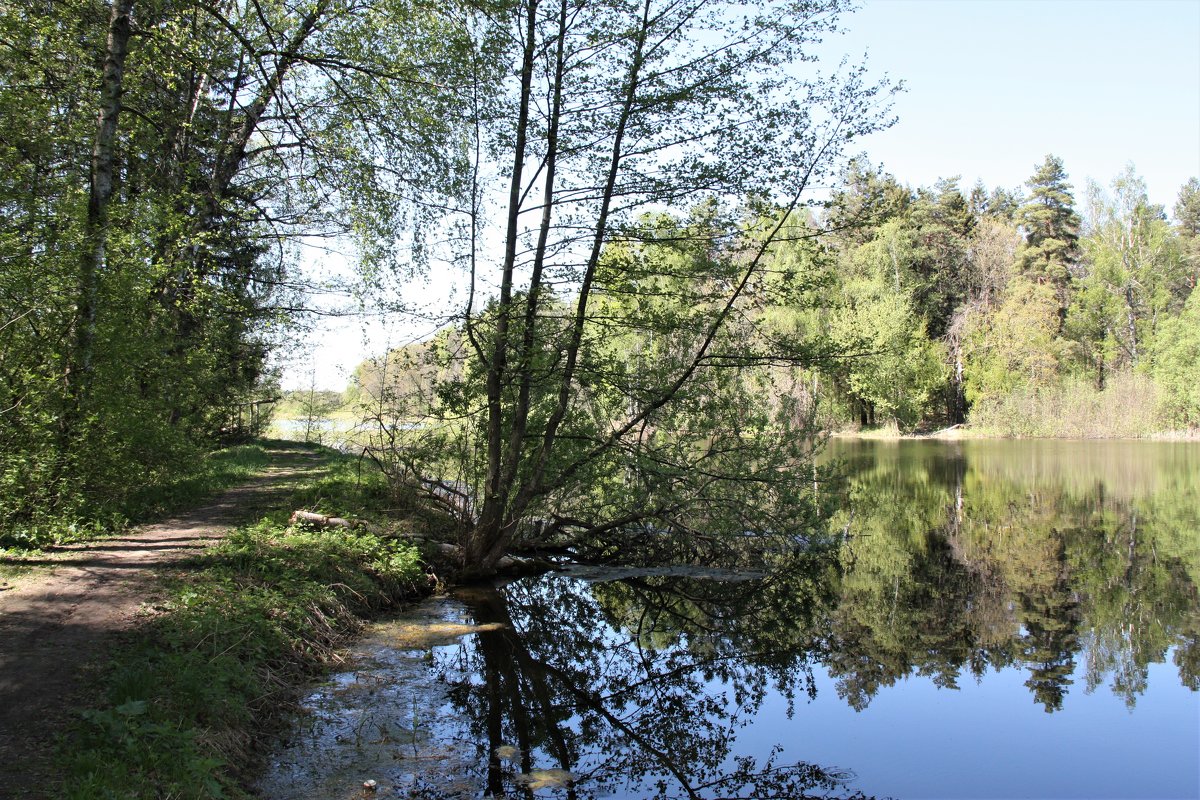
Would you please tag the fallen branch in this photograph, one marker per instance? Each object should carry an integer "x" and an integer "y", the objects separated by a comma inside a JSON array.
[{"x": 323, "y": 521}]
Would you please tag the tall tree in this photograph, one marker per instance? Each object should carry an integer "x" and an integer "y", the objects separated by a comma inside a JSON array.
[
  {"x": 1014, "y": 347},
  {"x": 617, "y": 109},
  {"x": 1187, "y": 220},
  {"x": 1051, "y": 227},
  {"x": 157, "y": 164},
  {"x": 1176, "y": 364},
  {"x": 101, "y": 177},
  {"x": 1134, "y": 275}
]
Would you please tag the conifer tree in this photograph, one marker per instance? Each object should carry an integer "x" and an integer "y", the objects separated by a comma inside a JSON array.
[
  {"x": 1051, "y": 227},
  {"x": 1187, "y": 220}
]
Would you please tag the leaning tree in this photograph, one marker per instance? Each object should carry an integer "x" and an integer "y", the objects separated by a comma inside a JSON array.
[{"x": 632, "y": 181}]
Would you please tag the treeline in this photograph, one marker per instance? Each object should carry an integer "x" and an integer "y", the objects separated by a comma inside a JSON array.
[
  {"x": 888, "y": 306},
  {"x": 1014, "y": 310},
  {"x": 158, "y": 162}
]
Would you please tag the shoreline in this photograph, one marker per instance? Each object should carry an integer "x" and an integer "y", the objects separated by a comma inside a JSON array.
[{"x": 957, "y": 433}]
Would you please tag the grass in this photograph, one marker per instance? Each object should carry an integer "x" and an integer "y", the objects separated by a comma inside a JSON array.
[
  {"x": 204, "y": 477},
  {"x": 1128, "y": 407},
  {"x": 183, "y": 705},
  {"x": 213, "y": 473}
]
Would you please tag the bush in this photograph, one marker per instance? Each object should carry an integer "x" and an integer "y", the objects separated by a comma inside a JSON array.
[{"x": 34, "y": 515}]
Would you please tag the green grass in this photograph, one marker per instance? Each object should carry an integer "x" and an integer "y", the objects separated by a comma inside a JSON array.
[
  {"x": 183, "y": 705},
  {"x": 168, "y": 491},
  {"x": 213, "y": 473}
]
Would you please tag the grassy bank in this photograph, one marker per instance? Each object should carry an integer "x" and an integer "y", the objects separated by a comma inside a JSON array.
[
  {"x": 181, "y": 707},
  {"x": 967, "y": 432}
]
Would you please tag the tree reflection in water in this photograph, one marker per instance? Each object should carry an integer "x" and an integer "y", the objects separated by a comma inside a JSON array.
[
  {"x": 635, "y": 688},
  {"x": 950, "y": 567},
  {"x": 1041, "y": 557}
]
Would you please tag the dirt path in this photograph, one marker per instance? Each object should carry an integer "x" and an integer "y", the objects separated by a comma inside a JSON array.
[{"x": 58, "y": 623}]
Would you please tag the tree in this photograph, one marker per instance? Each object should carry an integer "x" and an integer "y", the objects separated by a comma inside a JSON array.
[
  {"x": 618, "y": 109},
  {"x": 1016, "y": 346},
  {"x": 866, "y": 199},
  {"x": 158, "y": 162},
  {"x": 1051, "y": 227},
  {"x": 886, "y": 362},
  {"x": 893, "y": 369},
  {"x": 943, "y": 223},
  {"x": 1175, "y": 363},
  {"x": 990, "y": 253},
  {"x": 1187, "y": 208},
  {"x": 1187, "y": 218},
  {"x": 1134, "y": 278}
]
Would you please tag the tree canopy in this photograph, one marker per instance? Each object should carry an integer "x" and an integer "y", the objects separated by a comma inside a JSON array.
[
  {"x": 678, "y": 274},
  {"x": 158, "y": 162},
  {"x": 636, "y": 174}
]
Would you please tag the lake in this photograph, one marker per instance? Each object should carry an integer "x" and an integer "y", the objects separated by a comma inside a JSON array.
[{"x": 991, "y": 619}]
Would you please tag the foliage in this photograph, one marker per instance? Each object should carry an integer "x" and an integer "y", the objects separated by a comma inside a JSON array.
[
  {"x": 1134, "y": 277},
  {"x": 1051, "y": 226},
  {"x": 1072, "y": 565},
  {"x": 897, "y": 307},
  {"x": 612, "y": 682},
  {"x": 1042, "y": 558},
  {"x": 167, "y": 489},
  {"x": 615, "y": 116},
  {"x": 891, "y": 366},
  {"x": 1127, "y": 407},
  {"x": 158, "y": 162},
  {"x": 1015, "y": 348},
  {"x": 1019, "y": 357},
  {"x": 1175, "y": 364}
]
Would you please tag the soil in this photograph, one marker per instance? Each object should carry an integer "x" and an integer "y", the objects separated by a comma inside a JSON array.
[{"x": 59, "y": 620}]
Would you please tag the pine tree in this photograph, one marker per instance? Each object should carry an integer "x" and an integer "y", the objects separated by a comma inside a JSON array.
[
  {"x": 1051, "y": 227},
  {"x": 1187, "y": 208},
  {"x": 1187, "y": 219}
]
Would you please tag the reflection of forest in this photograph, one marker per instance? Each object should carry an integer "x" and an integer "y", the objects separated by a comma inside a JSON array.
[
  {"x": 951, "y": 566},
  {"x": 1017, "y": 554}
]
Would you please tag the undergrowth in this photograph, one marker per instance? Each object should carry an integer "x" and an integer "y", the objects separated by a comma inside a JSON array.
[
  {"x": 1128, "y": 407},
  {"x": 163, "y": 491},
  {"x": 260, "y": 613}
]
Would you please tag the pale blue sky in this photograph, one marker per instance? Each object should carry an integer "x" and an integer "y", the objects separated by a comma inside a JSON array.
[
  {"x": 995, "y": 85},
  {"x": 992, "y": 87}
]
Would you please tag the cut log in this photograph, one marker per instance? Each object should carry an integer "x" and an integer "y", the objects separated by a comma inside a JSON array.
[{"x": 323, "y": 521}]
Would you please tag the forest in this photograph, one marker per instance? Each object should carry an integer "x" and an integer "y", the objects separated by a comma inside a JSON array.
[
  {"x": 664, "y": 311},
  {"x": 1020, "y": 311}
]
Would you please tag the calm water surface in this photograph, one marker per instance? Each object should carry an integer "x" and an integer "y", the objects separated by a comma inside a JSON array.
[{"x": 994, "y": 620}]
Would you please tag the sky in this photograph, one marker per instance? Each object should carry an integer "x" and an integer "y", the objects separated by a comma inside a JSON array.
[
  {"x": 993, "y": 86},
  {"x": 990, "y": 88}
]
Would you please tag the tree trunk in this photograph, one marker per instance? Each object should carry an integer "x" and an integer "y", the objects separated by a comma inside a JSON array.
[
  {"x": 100, "y": 191},
  {"x": 480, "y": 551},
  {"x": 1131, "y": 324}
]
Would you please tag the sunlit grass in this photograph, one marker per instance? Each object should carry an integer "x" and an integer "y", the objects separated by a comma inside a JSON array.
[{"x": 180, "y": 486}]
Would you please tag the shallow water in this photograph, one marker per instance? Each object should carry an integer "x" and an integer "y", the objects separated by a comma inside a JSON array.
[{"x": 1001, "y": 619}]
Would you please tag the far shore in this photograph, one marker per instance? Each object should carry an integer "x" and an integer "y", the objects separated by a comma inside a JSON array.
[{"x": 964, "y": 432}]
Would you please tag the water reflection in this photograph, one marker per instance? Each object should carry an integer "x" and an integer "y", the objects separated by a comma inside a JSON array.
[
  {"x": 636, "y": 688},
  {"x": 1064, "y": 563},
  {"x": 1036, "y": 578},
  {"x": 1032, "y": 555}
]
